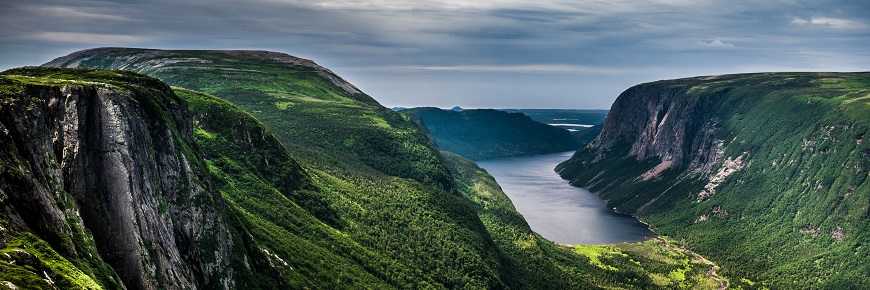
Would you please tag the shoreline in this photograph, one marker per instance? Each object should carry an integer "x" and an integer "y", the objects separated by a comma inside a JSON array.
[{"x": 712, "y": 273}]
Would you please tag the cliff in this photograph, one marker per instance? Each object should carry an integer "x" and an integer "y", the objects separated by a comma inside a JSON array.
[
  {"x": 716, "y": 161},
  {"x": 109, "y": 157}
]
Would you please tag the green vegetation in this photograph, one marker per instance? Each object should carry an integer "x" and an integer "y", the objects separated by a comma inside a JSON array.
[
  {"x": 664, "y": 266},
  {"x": 488, "y": 134},
  {"x": 794, "y": 215},
  {"x": 30, "y": 263},
  {"x": 324, "y": 230}
]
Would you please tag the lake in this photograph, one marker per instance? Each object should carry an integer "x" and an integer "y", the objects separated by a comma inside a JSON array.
[{"x": 558, "y": 211}]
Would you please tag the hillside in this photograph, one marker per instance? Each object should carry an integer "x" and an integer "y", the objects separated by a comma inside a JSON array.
[
  {"x": 764, "y": 173},
  {"x": 487, "y": 134},
  {"x": 329, "y": 190}
]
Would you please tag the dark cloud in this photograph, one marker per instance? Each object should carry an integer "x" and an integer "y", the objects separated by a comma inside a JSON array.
[{"x": 543, "y": 53}]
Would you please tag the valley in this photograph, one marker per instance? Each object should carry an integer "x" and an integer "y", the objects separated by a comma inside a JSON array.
[
  {"x": 141, "y": 168},
  {"x": 290, "y": 178}
]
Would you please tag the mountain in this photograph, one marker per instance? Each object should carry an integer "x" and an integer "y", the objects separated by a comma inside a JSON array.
[
  {"x": 289, "y": 178},
  {"x": 487, "y": 134},
  {"x": 585, "y": 125},
  {"x": 313, "y": 112},
  {"x": 764, "y": 173}
]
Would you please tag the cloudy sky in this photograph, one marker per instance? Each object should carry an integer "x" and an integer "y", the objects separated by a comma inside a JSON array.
[{"x": 475, "y": 54}]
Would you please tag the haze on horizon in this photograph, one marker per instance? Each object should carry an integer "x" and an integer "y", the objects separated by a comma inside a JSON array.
[{"x": 473, "y": 54}]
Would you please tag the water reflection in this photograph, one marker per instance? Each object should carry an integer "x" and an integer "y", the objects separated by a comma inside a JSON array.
[{"x": 557, "y": 210}]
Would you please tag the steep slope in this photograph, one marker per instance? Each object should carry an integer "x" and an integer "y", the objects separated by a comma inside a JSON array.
[
  {"x": 764, "y": 173},
  {"x": 321, "y": 231},
  {"x": 102, "y": 166},
  {"x": 486, "y": 134}
]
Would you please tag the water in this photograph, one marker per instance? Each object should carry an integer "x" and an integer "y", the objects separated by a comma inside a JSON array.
[{"x": 558, "y": 211}]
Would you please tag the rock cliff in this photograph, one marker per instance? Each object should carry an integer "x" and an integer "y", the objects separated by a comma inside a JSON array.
[
  {"x": 108, "y": 156},
  {"x": 660, "y": 120}
]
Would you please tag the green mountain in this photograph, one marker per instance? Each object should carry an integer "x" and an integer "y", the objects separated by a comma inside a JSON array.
[
  {"x": 765, "y": 174},
  {"x": 487, "y": 134},
  {"x": 289, "y": 178}
]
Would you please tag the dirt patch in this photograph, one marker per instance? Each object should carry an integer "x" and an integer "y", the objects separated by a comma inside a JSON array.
[{"x": 655, "y": 171}]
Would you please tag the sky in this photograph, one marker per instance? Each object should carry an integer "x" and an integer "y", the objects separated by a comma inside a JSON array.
[{"x": 474, "y": 54}]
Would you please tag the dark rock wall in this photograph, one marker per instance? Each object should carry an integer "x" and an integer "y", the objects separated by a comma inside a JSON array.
[
  {"x": 139, "y": 185},
  {"x": 662, "y": 120}
]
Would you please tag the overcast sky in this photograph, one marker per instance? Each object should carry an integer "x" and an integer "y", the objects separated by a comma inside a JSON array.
[{"x": 475, "y": 54}]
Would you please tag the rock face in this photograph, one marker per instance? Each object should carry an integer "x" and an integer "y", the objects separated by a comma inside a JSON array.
[
  {"x": 658, "y": 120},
  {"x": 123, "y": 159}
]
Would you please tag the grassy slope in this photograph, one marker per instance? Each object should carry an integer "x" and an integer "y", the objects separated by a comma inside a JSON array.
[
  {"x": 487, "y": 134},
  {"x": 802, "y": 134},
  {"x": 372, "y": 231}
]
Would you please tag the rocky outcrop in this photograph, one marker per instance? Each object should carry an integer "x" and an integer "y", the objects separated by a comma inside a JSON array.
[
  {"x": 658, "y": 120},
  {"x": 666, "y": 123},
  {"x": 121, "y": 158}
]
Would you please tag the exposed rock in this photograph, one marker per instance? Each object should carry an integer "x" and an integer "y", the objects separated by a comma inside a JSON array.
[
  {"x": 728, "y": 167},
  {"x": 656, "y": 170},
  {"x": 10, "y": 285},
  {"x": 838, "y": 234},
  {"x": 719, "y": 211},
  {"x": 659, "y": 122},
  {"x": 126, "y": 156},
  {"x": 809, "y": 230}
]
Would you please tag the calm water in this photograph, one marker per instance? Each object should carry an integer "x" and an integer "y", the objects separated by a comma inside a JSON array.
[{"x": 558, "y": 211}]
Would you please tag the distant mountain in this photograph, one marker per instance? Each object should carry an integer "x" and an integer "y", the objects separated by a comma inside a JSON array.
[
  {"x": 585, "y": 125},
  {"x": 766, "y": 174},
  {"x": 563, "y": 116},
  {"x": 486, "y": 134}
]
